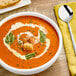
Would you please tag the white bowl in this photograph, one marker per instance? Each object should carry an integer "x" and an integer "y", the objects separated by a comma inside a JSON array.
[{"x": 46, "y": 65}]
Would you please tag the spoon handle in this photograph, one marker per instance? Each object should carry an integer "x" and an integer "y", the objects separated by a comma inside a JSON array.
[{"x": 72, "y": 38}]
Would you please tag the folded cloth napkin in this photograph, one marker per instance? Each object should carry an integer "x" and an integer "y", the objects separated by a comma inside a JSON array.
[{"x": 71, "y": 58}]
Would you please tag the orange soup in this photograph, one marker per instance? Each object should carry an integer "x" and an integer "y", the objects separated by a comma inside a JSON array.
[{"x": 27, "y": 42}]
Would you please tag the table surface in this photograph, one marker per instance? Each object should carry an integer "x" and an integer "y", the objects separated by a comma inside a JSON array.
[{"x": 46, "y": 7}]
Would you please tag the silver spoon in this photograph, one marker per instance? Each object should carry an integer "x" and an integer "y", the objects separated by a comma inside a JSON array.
[{"x": 66, "y": 14}]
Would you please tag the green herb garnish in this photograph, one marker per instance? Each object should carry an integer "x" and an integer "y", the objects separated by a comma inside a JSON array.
[
  {"x": 22, "y": 49},
  {"x": 30, "y": 55},
  {"x": 35, "y": 22},
  {"x": 17, "y": 64},
  {"x": 33, "y": 31},
  {"x": 28, "y": 30},
  {"x": 20, "y": 42},
  {"x": 9, "y": 38},
  {"x": 30, "y": 21},
  {"x": 42, "y": 36}
]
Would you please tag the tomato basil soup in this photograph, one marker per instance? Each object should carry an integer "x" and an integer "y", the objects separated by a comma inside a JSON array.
[{"x": 27, "y": 42}]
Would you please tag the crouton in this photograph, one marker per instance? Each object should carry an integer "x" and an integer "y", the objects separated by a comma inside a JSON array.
[{"x": 27, "y": 46}]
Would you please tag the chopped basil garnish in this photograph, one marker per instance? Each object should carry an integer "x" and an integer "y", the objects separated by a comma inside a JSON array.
[
  {"x": 42, "y": 36},
  {"x": 22, "y": 49},
  {"x": 17, "y": 64},
  {"x": 30, "y": 55},
  {"x": 30, "y": 21},
  {"x": 9, "y": 38},
  {"x": 33, "y": 31},
  {"x": 20, "y": 42}
]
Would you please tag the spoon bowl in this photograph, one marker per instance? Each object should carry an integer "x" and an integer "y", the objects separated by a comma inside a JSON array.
[{"x": 65, "y": 13}]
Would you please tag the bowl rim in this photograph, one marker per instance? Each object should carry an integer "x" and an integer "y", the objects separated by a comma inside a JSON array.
[{"x": 44, "y": 66}]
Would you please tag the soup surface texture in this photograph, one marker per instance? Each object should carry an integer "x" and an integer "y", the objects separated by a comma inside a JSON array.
[{"x": 27, "y": 42}]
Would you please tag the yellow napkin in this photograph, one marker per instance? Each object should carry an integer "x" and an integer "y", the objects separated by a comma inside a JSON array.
[{"x": 71, "y": 58}]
